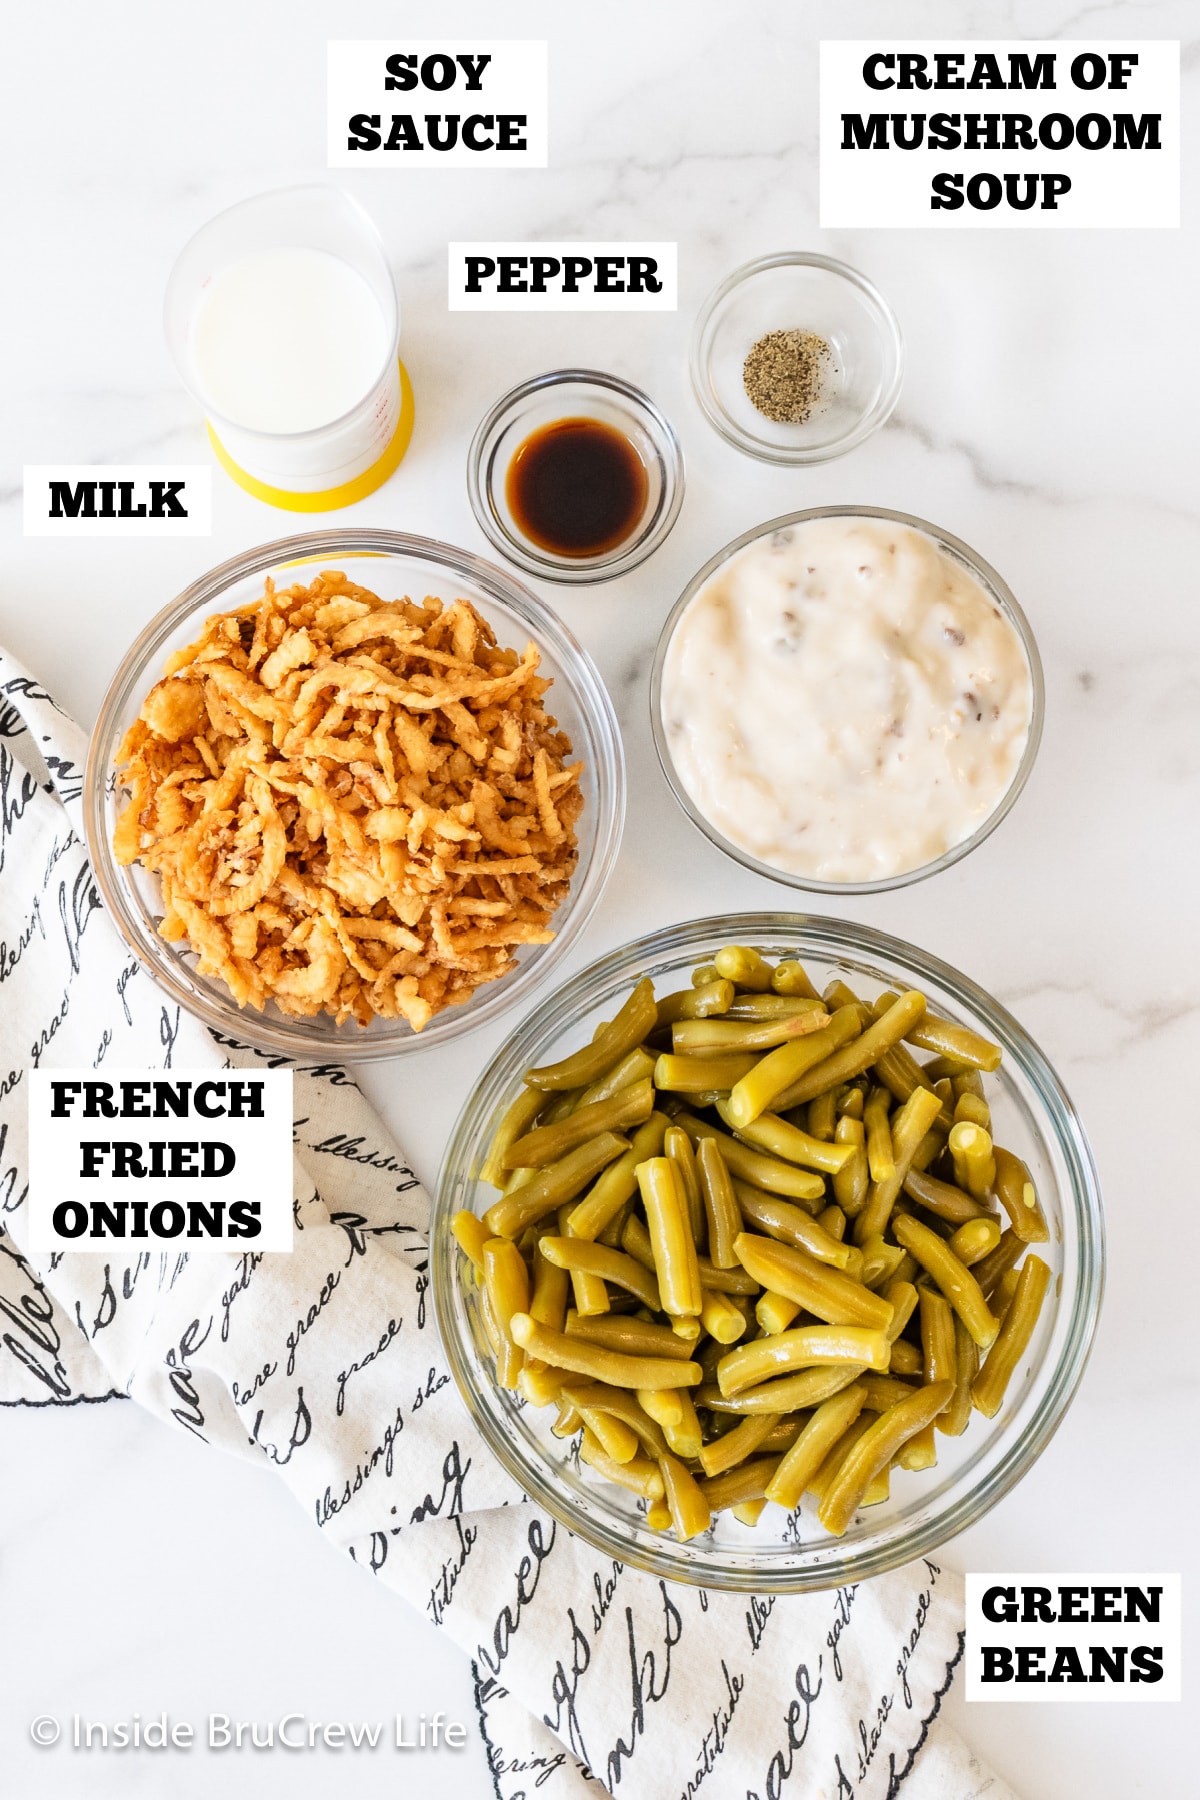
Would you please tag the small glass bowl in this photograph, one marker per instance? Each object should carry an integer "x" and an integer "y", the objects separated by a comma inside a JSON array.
[
  {"x": 789, "y": 1552},
  {"x": 391, "y": 565},
  {"x": 996, "y": 590},
  {"x": 798, "y": 291},
  {"x": 574, "y": 394}
]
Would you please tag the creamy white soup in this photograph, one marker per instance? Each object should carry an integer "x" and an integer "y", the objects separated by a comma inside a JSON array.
[{"x": 844, "y": 701}]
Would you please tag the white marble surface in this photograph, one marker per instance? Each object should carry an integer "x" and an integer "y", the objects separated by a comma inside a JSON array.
[{"x": 1049, "y": 416}]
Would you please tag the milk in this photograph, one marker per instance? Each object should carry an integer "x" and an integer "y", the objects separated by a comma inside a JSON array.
[{"x": 287, "y": 340}]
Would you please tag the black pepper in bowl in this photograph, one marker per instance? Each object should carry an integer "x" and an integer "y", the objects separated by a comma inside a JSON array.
[{"x": 784, "y": 375}]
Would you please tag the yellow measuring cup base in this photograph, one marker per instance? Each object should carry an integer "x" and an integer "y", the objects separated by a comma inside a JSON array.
[{"x": 328, "y": 499}]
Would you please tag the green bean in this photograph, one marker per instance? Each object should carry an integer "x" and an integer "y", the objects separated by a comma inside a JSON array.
[
  {"x": 789, "y": 977},
  {"x": 771, "y": 1083},
  {"x": 641, "y": 1476},
  {"x": 547, "y": 1143},
  {"x": 880, "y": 1155},
  {"x": 707, "y": 1001},
  {"x": 618, "y": 1182},
  {"x": 471, "y": 1234},
  {"x": 720, "y": 1037},
  {"x": 937, "y": 1336},
  {"x": 833, "y": 1221},
  {"x": 989, "y": 1269},
  {"x": 975, "y": 1240},
  {"x": 942, "y": 1199},
  {"x": 549, "y": 1188},
  {"x": 690, "y": 1513},
  {"x": 726, "y": 1281},
  {"x": 908, "y": 1127},
  {"x": 955, "y": 1041},
  {"x": 773, "y": 1006},
  {"x": 617, "y": 1439},
  {"x": 599, "y": 1396},
  {"x": 590, "y": 1291},
  {"x": 597, "y": 1363},
  {"x": 678, "y": 1146},
  {"x": 875, "y": 1450},
  {"x": 632, "y": 1337},
  {"x": 791, "y": 1392},
  {"x": 852, "y": 1180},
  {"x": 671, "y": 1238},
  {"x": 974, "y": 1163},
  {"x": 700, "y": 1074},
  {"x": 829, "y": 1422},
  {"x": 721, "y": 1318},
  {"x": 1016, "y": 1194},
  {"x": 634, "y": 1022},
  {"x": 744, "y": 966},
  {"x": 774, "y": 1314},
  {"x": 906, "y": 1358},
  {"x": 721, "y": 1210},
  {"x": 779, "y": 1219},
  {"x": 969, "y": 1109},
  {"x": 958, "y": 1284},
  {"x": 637, "y": 1066},
  {"x": 800, "y": 1348},
  {"x": 752, "y": 1166},
  {"x": 703, "y": 973},
  {"x": 515, "y": 1123},
  {"x": 957, "y": 1416},
  {"x": 822, "y": 1115},
  {"x": 903, "y": 1299},
  {"x": 988, "y": 1388},
  {"x": 548, "y": 1304},
  {"x": 858, "y": 1054},
  {"x": 735, "y": 1446},
  {"x": 748, "y": 1481},
  {"x": 506, "y": 1284},
  {"x": 609, "y": 1265},
  {"x": 780, "y": 1138},
  {"x": 902, "y": 1075},
  {"x": 955, "y": 1045},
  {"x": 821, "y": 1290}
]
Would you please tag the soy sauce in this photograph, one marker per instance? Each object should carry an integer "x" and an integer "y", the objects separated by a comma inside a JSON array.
[{"x": 577, "y": 487}]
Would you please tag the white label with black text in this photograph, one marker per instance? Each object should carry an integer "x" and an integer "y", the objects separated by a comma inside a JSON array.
[
  {"x": 1073, "y": 1637},
  {"x": 437, "y": 104},
  {"x": 566, "y": 277},
  {"x": 189, "y": 1159},
  {"x": 117, "y": 500},
  {"x": 1024, "y": 133}
]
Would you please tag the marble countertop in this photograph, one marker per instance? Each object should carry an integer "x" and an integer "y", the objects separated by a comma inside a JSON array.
[{"x": 1050, "y": 416}]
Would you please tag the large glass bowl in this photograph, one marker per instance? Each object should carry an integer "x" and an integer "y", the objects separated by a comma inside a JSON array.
[
  {"x": 955, "y": 551},
  {"x": 791, "y": 1553},
  {"x": 392, "y": 565}
]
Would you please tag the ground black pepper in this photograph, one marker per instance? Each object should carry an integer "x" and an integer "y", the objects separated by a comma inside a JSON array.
[{"x": 784, "y": 374}]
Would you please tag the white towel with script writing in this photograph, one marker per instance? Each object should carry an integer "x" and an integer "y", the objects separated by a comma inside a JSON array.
[{"x": 323, "y": 1365}]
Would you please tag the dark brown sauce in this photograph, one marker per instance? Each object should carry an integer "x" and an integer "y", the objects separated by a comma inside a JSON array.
[{"x": 577, "y": 487}]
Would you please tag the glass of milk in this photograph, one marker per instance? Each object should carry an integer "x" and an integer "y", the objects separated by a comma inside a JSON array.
[{"x": 282, "y": 317}]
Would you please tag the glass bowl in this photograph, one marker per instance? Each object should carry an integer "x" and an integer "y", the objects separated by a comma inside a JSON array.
[
  {"x": 798, "y": 291},
  {"x": 788, "y": 1552},
  {"x": 574, "y": 394},
  {"x": 996, "y": 590},
  {"x": 391, "y": 565}
]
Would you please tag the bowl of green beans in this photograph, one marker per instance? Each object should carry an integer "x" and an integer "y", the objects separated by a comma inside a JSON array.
[{"x": 768, "y": 1252}]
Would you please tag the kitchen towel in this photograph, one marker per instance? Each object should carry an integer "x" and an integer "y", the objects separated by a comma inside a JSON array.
[{"x": 324, "y": 1365}]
